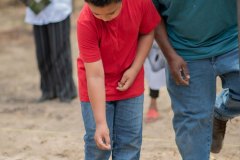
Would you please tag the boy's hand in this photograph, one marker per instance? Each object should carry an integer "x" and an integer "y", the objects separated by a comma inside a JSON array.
[
  {"x": 127, "y": 79},
  {"x": 101, "y": 137},
  {"x": 179, "y": 70}
]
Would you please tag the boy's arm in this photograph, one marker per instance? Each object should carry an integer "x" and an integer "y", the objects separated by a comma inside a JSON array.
[
  {"x": 96, "y": 92},
  {"x": 178, "y": 67},
  {"x": 144, "y": 45}
]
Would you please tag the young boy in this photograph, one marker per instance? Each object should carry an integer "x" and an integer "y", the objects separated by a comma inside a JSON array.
[{"x": 114, "y": 39}]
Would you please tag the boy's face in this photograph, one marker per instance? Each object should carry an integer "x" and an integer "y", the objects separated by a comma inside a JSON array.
[{"x": 108, "y": 12}]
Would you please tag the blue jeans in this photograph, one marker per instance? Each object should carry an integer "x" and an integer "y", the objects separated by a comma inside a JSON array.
[
  {"x": 124, "y": 119},
  {"x": 193, "y": 105}
]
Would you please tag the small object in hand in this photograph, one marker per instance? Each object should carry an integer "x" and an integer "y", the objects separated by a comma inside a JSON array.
[
  {"x": 184, "y": 77},
  {"x": 182, "y": 74}
]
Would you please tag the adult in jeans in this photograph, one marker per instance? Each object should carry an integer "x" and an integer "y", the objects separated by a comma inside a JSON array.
[
  {"x": 51, "y": 26},
  {"x": 199, "y": 41}
]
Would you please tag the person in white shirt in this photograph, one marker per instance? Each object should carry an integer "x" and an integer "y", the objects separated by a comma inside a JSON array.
[
  {"x": 51, "y": 27},
  {"x": 154, "y": 67}
]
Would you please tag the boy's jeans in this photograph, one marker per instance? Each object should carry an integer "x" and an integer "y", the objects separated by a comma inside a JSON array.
[
  {"x": 124, "y": 118},
  {"x": 193, "y": 105}
]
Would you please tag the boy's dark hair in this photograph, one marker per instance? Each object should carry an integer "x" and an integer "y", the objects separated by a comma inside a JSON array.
[{"x": 102, "y": 3}]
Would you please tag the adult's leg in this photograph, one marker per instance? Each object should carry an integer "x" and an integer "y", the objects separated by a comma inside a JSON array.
[
  {"x": 91, "y": 150},
  {"x": 127, "y": 129},
  {"x": 193, "y": 110},
  {"x": 227, "y": 103},
  {"x": 59, "y": 38},
  {"x": 44, "y": 61}
]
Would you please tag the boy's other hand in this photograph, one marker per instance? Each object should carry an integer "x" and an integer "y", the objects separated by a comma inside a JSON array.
[
  {"x": 102, "y": 138},
  {"x": 127, "y": 79}
]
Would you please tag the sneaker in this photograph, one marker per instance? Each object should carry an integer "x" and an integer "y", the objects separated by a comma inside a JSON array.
[
  {"x": 219, "y": 129},
  {"x": 152, "y": 115}
]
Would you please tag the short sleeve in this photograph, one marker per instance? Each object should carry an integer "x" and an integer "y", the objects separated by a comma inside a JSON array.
[
  {"x": 88, "y": 41},
  {"x": 150, "y": 17},
  {"x": 157, "y": 5}
]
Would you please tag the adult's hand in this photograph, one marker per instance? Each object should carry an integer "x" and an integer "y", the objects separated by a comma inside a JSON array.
[{"x": 179, "y": 70}]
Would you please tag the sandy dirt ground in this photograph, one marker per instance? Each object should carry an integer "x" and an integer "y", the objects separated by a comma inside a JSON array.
[{"x": 54, "y": 130}]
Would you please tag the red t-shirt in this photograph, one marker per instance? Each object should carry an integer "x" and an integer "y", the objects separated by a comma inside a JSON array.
[{"x": 115, "y": 43}]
